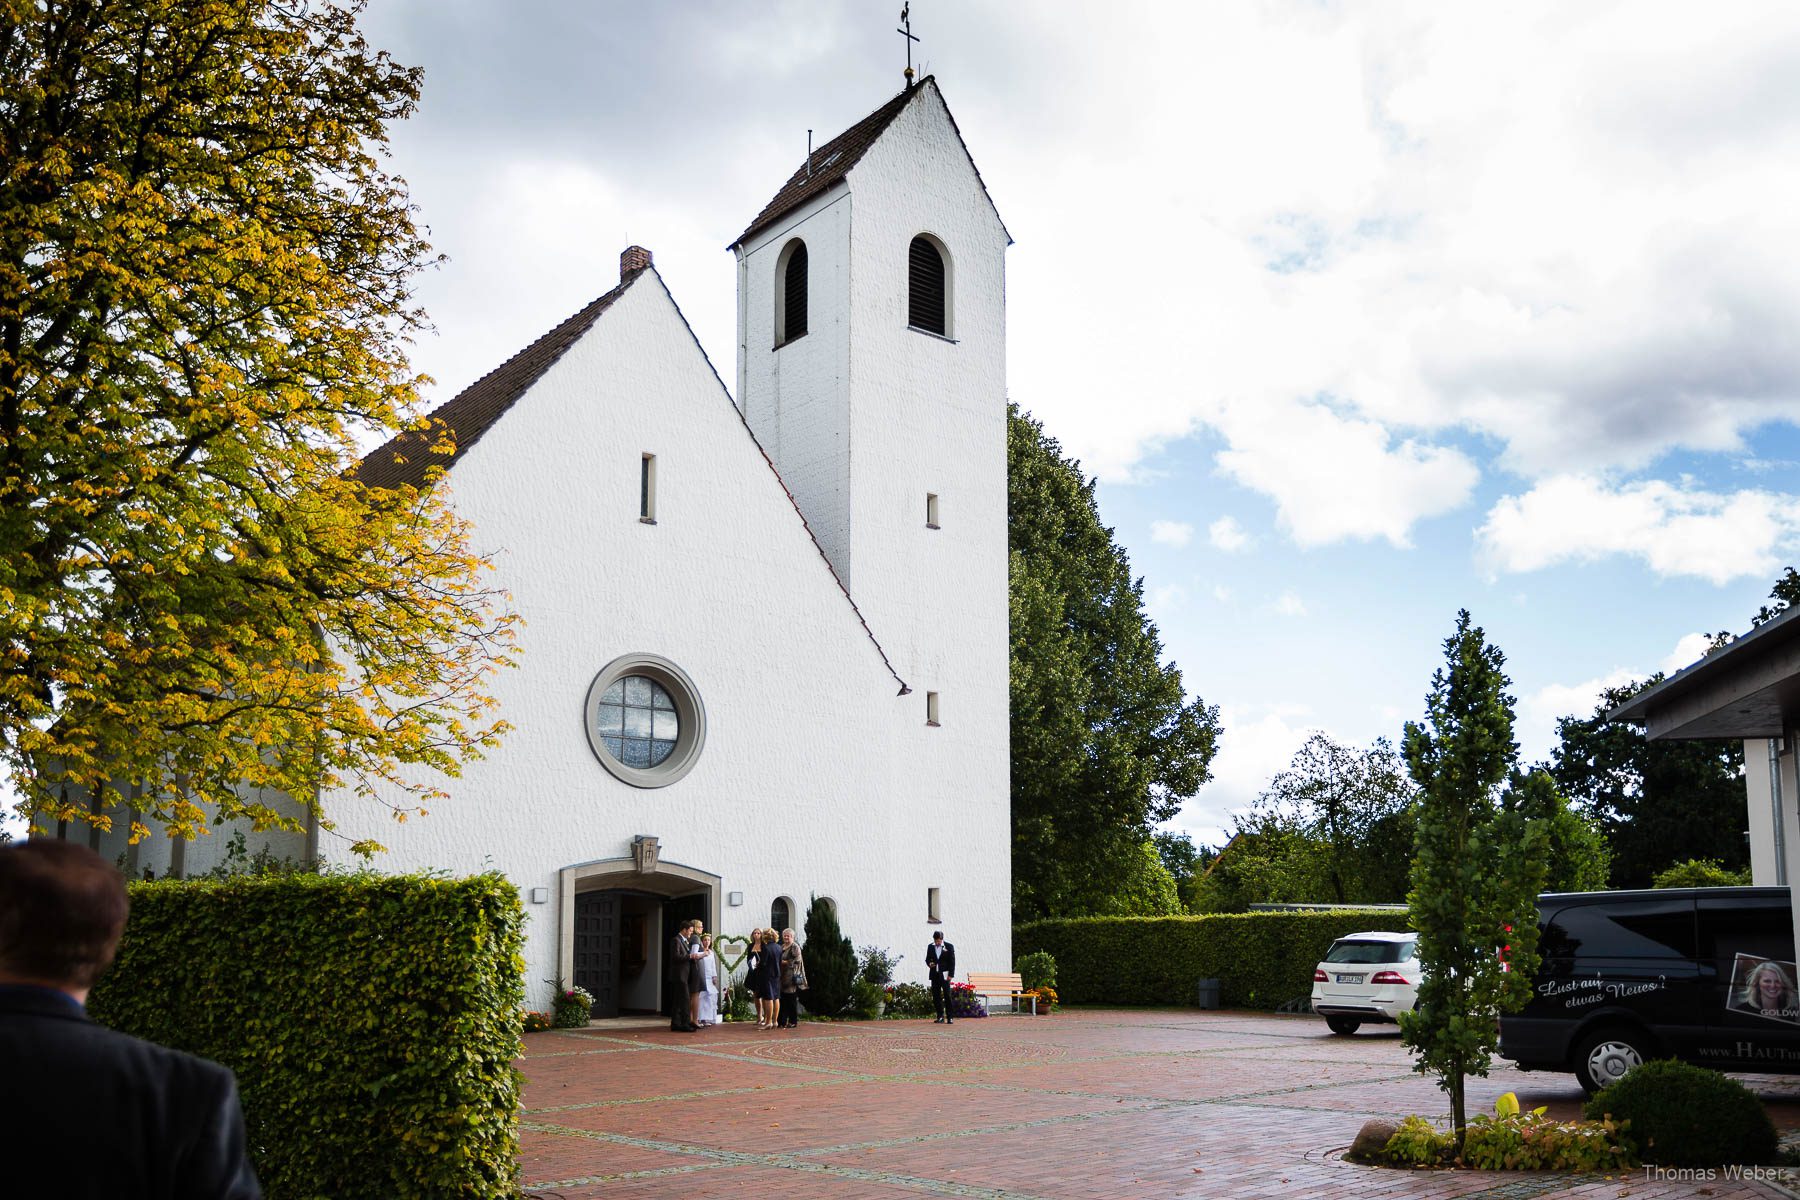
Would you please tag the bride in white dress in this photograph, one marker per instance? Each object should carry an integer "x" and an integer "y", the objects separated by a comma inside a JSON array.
[{"x": 709, "y": 968}]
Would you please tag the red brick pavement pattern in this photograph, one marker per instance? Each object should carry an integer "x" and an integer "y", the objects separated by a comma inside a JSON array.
[{"x": 1092, "y": 1104}]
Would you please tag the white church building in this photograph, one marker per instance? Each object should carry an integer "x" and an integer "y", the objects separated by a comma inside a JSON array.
[{"x": 764, "y": 654}]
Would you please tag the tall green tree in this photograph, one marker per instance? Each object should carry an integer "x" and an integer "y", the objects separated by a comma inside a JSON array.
[
  {"x": 1478, "y": 867},
  {"x": 1179, "y": 855},
  {"x": 1148, "y": 889},
  {"x": 1105, "y": 743},
  {"x": 205, "y": 299},
  {"x": 1338, "y": 795},
  {"x": 1575, "y": 855},
  {"x": 1656, "y": 802}
]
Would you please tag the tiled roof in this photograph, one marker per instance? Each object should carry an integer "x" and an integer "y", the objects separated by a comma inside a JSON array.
[
  {"x": 405, "y": 458},
  {"x": 829, "y": 163}
]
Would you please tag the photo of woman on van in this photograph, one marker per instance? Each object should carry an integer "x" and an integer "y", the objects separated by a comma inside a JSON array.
[{"x": 1765, "y": 988}]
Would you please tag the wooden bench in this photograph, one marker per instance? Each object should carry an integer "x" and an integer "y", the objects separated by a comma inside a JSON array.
[{"x": 1009, "y": 986}]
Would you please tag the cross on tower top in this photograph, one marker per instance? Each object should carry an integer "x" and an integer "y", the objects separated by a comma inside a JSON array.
[{"x": 906, "y": 32}]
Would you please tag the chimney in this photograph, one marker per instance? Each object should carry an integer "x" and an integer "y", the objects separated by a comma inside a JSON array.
[{"x": 632, "y": 260}]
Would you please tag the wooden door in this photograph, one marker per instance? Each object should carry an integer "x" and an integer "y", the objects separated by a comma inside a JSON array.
[{"x": 597, "y": 949}]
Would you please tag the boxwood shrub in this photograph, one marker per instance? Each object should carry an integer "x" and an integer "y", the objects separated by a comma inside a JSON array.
[
  {"x": 372, "y": 1022},
  {"x": 1261, "y": 959}
]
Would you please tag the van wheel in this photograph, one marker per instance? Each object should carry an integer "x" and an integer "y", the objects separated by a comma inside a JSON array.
[
  {"x": 1606, "y": 1055},
  {"x": 1343, "y": 1025}
]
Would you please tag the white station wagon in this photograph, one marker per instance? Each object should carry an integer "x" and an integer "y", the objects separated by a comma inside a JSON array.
[{"x": 1367, "y": 978}]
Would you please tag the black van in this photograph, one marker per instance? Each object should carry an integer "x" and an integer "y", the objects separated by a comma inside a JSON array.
[{"x": 1705, "y": 975}]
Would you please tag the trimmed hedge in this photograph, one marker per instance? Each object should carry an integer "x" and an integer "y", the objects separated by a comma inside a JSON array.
[
  {"x": 1261, "y": 959},
  {"x": 372, "y": 1022}
]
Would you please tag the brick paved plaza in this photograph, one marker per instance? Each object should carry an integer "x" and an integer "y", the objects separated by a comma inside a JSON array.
[{"x": 1091, "y": 1103}]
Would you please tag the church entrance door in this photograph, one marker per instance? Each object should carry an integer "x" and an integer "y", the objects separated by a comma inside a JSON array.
[{"x": 597, "y": 949}]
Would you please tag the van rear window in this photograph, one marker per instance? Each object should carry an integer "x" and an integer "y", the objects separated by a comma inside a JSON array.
[{"x": 1369, "y": 952}]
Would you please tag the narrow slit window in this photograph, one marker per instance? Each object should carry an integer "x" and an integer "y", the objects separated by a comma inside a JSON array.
[
  {"x": 931, "y": 708},
  {"x": 647, "y": 490},
  {"x": 926, "y": 300},
  {"x": 931, "y": 511},
  {"x": 934, "y": 909}
]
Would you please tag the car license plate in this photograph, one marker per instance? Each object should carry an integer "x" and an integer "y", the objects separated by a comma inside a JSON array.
[{"x": 1349, "y": 978}]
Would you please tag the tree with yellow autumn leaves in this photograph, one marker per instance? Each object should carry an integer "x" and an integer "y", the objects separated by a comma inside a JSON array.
[{"x": 205, "y": 303}]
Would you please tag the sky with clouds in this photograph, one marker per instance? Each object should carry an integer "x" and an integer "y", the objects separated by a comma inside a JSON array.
[{"x": 1362, "y": 313}]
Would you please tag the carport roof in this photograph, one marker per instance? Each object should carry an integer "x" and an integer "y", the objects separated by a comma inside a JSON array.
[{"x": 1748, "y": 689}]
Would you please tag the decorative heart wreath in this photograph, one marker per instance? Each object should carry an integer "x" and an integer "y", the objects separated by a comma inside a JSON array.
[{"x": 728, "y": 964}]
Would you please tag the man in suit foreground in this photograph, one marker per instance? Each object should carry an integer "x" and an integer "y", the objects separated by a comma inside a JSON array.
[
  {"x": 99, "y": 1114},
  {"x": 677, "y": 970},
  {"x": 940, "y": 960}
]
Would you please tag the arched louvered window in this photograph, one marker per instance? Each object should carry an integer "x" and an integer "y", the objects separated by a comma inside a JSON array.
[
  {"x": 928, "y": 298},
  {"x": 790, "y": 300}
]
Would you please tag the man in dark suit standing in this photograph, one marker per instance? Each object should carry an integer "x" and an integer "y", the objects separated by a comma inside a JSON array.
[
  {"x": 676, "y": 971},
  {"x": 100, "y": 1114},
  {"x": 940, "y": 960}
]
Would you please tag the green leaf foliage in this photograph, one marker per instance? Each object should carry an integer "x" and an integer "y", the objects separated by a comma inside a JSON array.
[
  {"x": 1261, "y": 960},
  {"x": 372, "y": 1022},
  {"x": 1105, "y": 743},
  {"x": 206, "y": 274},
  {"x": 1576, "y": 855},
  {"x": 831, "y": 964},
  {"x": 1037, "y": 969},
  {"x": 1656, "y": 803},
  {"x": 1700, "y": 872},
  {"x": 1681, "y": 1115},
  {"x": 1336, "y": 827},
  {"x": 1478, "y": 866}
]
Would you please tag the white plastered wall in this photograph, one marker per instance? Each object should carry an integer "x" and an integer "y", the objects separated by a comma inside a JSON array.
[
  {"x": 806, "y": 784},
  {"x": 910, "y": 414}
]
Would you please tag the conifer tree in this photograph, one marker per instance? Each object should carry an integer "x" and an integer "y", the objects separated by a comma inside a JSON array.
[
  {"x": 830, "y": 960},
  {"x": 1477, "y": 868}
]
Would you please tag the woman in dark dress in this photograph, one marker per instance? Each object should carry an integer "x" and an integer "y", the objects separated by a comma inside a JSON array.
[
  {"x": 768, "y": 984},
  {"x": 755, "y": 963}
]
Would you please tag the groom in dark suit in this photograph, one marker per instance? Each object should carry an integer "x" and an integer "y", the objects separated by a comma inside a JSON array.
[
  {"x": 98, "y": 1113},
  {"x": 940, "y": 960},
  {"x": 680, "y": 955}
]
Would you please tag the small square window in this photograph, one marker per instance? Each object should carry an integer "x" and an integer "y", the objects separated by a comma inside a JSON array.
[
  {"x": 934, "y": 909},
  {"x": 931, "y": 511},
  {"x": 931, "y": 708}
]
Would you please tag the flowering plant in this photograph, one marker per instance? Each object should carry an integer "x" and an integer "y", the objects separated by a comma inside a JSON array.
[
  {"x": 571, "y": 1005},
  {"x": 537, "y": 1022},
  {"x": 964, "y": 1002}
]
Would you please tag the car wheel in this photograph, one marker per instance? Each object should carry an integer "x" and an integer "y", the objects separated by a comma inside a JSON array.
[
  {"x": 1606, "y": 1055},
  {"x": 1343, "y": 1025}
]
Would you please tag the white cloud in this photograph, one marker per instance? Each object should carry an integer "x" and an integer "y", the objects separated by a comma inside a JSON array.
[
  {"x": 1171, "y": 533},
  {"x": 1675, "y": 530},
  {"x": 1221, "y": 593},
  {"x": 1335, "y": 476},
  {"x": 1289, "y": 604},
  {"x": 1569, "y": 258},
  {"x": 1227, "y": 535},
  {"x": 1537, "y": 714},
  {"x": 1253, "y": 750}
]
